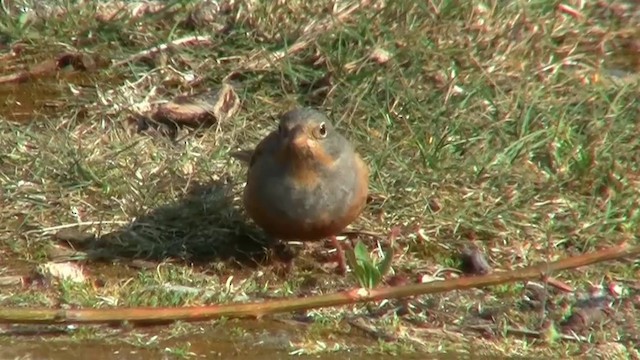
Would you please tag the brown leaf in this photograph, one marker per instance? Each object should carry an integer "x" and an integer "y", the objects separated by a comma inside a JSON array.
[{"x": 204, "y": 109}]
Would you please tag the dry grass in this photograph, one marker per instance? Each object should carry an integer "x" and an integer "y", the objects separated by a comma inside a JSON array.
[{"x": 512, "y": 127}]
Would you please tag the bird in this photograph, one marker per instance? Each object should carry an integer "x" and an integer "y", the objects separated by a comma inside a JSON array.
[{"x": 305, "y": 181}]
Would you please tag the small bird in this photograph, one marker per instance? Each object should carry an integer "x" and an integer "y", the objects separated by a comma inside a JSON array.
[{"x": 305, "y": 181}]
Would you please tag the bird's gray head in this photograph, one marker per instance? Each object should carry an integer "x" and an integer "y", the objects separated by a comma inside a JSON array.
[{"x": 307, "y": 132}]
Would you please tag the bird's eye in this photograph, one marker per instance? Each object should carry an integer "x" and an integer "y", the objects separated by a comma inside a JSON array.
[{"x": 322, "y": 130}]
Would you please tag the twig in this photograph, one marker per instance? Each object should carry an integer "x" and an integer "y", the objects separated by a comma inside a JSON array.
[
  {"x": 361, "y": 232},
  {"x": 190, "y": 40},
  {"x": 560, "y": 285},
  {"x": 162, "y": 315},
  {"x": 523, "y": 332},
  {"x": 309, "y": 34},
  {"x": 72, "y": 225},
  {"x": 53, "y": 330},
  {"x": 374, "y": 333}
]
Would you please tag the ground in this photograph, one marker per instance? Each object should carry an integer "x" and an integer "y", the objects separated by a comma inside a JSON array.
[{"x": 509, "y": 128}]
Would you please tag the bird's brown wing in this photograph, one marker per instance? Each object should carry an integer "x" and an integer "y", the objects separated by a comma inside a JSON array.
[
  {"x": 268, "y": 145},
  {"x": 248, "y": 156},
  {"x": 242, "y": 155}
]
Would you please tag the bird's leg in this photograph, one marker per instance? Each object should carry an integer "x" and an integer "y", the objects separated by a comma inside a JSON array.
[{"x": 342, "y": 263}]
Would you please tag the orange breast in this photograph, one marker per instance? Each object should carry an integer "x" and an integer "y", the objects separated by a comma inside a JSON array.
[{"x": 290, "y": 212}]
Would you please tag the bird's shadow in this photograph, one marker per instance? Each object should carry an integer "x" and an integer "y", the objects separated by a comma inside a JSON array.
[{"x": 203, "y": 227}]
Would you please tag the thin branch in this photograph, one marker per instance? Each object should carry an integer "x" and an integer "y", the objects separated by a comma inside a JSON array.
[
  {"x": 257, "y": 310},
  {"x": 186, "y": 41},
  {"x": 311, "y": 32}
]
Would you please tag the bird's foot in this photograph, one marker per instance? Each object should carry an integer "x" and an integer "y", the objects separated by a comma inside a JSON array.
[{"x": 340, "y": 258}]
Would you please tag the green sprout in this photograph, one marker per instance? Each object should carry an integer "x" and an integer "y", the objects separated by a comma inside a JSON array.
[{"x": 368, "y": 271}]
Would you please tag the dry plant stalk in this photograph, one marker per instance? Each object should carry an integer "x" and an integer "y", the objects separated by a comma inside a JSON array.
[
  {"x": 260, "y": 60},
  {"x": 186, "y": 41},
  {"x": 257, "y": 310}
]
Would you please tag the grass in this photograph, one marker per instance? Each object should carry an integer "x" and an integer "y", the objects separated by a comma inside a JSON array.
[{"x": 506, "y": 126}]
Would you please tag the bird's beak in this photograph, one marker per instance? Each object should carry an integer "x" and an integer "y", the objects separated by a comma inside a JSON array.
[{"x": 298, "y": 138}]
